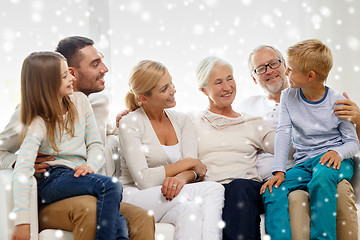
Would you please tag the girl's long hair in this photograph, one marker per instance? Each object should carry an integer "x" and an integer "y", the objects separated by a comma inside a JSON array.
[{"x": 40, "y": 82}]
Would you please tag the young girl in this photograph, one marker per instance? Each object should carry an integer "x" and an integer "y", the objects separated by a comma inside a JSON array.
[{"x": 60, "y": 123}]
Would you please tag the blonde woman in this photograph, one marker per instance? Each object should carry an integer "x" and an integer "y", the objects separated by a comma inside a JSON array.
[{"x": 160, "y": 168}]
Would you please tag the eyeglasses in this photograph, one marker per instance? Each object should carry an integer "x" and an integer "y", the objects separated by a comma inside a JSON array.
[{"x": 263, "y": 68}]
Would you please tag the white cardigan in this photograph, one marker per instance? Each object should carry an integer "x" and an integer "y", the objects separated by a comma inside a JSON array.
[{"x": 143, "y": 159}]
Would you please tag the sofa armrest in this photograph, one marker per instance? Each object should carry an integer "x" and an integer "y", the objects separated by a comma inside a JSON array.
[
  {"x": 7, "y": 205},
  {"x": 355, "y": 181}
]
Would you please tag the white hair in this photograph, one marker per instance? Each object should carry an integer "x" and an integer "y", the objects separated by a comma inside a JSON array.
[
  {"x": 205, "y": 68},
  {"x": 258, "y": 48}
]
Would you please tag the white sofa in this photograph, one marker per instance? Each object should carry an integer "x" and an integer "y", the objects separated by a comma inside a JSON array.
[{"x": 163, "y": 231}]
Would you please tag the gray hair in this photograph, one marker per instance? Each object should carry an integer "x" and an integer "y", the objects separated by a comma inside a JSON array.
[
  {"x": 258, "y": 48},
  {"x": 205, "y": 68}
]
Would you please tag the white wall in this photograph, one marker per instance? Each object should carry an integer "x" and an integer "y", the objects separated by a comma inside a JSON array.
[{"x": 179, "y": 34}]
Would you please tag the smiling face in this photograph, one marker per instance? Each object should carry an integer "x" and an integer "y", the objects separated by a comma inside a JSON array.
[
  {"x": 273, "y": 80},
  {"x": 221, "y": 88},
  {"x": 297, "y": 78},
  {"x": 162, "y": 95},
  {"x": 91, "y": 71},
  {"x": 66, "y": 87}
]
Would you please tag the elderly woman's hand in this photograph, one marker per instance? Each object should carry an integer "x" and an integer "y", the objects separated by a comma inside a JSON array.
[{"x": 200, "y": 170}]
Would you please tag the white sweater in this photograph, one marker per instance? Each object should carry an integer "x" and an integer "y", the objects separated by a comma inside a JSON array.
[
  {"x": 84, "y": 147},
  {"x": 228, "y": 146},
  {"x": 143, "y": 158}
]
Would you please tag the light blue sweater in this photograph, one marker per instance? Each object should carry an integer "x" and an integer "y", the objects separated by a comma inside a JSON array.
[{"x": 316, "y": 128}]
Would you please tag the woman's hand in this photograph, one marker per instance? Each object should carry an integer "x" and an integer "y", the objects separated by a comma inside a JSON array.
[
  {"x": 21, "y": 232},
  {"x": 278, "y": 179},
  {"x": 172, "y": 186},
  {"x": 200, "y": 170},
  {"x": 82, "y": 170}
]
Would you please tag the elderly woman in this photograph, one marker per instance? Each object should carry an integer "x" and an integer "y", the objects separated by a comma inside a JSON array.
[
  {"x": 228, "y": 143},
  {"x": 160, "y": 162}
]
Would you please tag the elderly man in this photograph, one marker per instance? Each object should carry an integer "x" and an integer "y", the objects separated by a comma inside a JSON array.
[{"x": 267, "y": 67}]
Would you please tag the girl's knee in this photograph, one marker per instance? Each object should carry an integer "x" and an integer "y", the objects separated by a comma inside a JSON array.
[
  {"x": 116, "y": 185},
  {"x": 112, "y": 187}
]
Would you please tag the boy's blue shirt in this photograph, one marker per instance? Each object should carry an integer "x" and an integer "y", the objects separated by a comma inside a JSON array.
[{"x": 315, "y": 128}]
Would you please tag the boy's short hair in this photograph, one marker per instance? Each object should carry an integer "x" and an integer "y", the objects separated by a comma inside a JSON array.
[{"x": 312, "y": 55}]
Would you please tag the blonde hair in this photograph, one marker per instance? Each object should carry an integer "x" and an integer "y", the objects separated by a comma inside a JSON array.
[
  {"x": 205, "y": 68},
  {"x": 40, "y": 82},
  {"x": 143, "y": 78},
  {"x": 312, "y": 55}
]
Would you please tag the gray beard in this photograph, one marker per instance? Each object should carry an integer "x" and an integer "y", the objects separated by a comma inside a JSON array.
[{"x": 274, "y": 89}]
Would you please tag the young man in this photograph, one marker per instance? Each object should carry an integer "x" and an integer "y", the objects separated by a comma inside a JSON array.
[
  {"x": 78, "y": 214},
  {"x": 270, "y": 75}
]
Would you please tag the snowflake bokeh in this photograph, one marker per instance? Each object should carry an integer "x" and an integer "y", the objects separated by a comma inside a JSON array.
[{"x": 178, "y": 34}]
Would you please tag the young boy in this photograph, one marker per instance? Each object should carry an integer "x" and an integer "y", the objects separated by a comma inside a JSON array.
[{"x": 323, "y": 142}]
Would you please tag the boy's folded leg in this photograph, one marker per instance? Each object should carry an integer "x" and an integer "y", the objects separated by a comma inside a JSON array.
[{"x": 75, "y": 214}]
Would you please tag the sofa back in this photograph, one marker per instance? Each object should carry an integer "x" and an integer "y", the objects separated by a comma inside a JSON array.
[{"x": 355, "y": 181}]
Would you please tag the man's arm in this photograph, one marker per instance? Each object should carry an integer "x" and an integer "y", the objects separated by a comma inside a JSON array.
[
  {"x": 100, "y": 104},
  {"x": 10, "y": 141}
]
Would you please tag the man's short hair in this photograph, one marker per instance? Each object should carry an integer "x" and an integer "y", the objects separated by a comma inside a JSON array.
[
  {"x": 312, "y": 55},
  {"x": 69, "y": 47}
]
